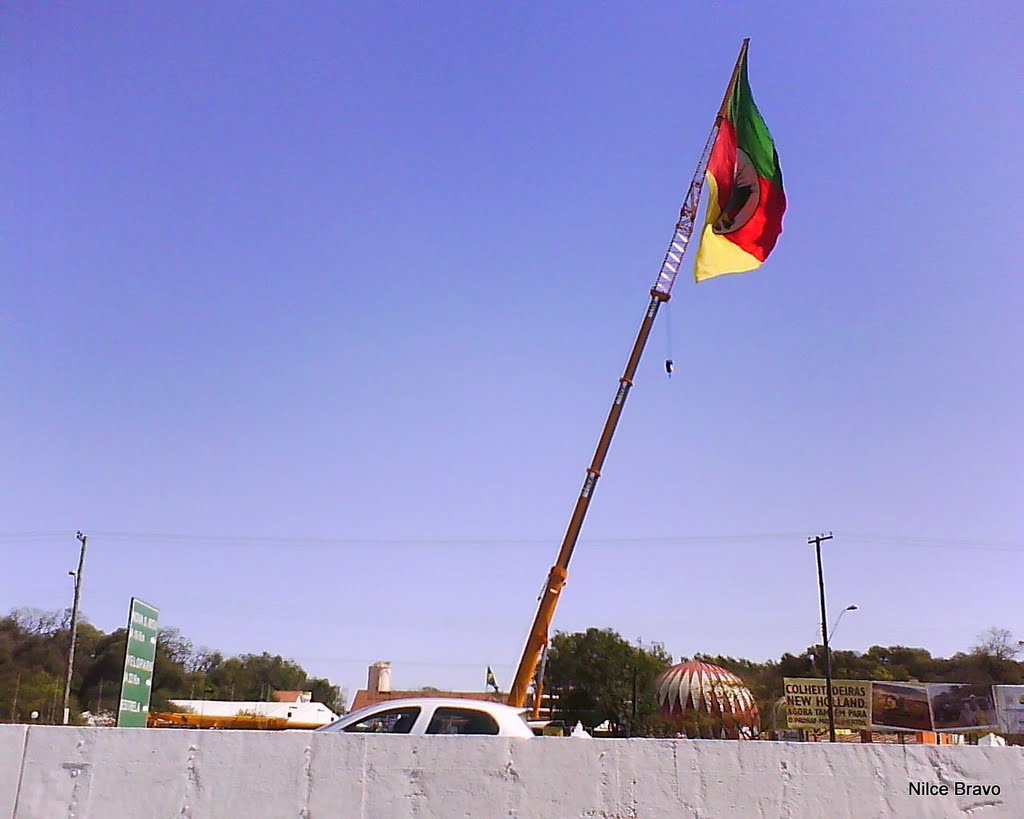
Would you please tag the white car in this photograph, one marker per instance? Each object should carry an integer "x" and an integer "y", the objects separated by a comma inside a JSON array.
[{"x": 434, "y": 715}]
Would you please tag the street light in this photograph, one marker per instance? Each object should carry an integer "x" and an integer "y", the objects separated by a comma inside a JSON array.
[{"x": 851, "y": 607}]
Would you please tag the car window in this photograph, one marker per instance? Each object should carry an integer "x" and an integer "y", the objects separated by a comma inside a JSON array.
[
  {"x": 395, "y": 721},
  {"x": 462, "y": 721}
]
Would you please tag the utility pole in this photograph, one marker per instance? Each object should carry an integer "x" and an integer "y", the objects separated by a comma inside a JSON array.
[
  {"x": 74, "y": 625},
  {"x": 632, "y": 717},
  {"x": 14, "y": 704},
  {"x": 816, "y": 540}
]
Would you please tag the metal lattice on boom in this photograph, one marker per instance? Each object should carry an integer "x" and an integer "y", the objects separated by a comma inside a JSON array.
[{"x": 684, "y": 227}]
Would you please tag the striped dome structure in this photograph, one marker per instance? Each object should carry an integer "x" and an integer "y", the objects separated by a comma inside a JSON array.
[{"x": 706, "y": 701}]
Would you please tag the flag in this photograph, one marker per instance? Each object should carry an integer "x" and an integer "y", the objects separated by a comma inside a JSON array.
[
  {"x": 491, "y": 681},
  {"x": 745, "y": 196}
]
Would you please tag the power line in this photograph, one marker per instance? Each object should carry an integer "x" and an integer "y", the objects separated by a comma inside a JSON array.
[
  {"x": 363, "y": 661},
  {"x": 933, "y": 542},
  {"x": 306, "y": 541}
]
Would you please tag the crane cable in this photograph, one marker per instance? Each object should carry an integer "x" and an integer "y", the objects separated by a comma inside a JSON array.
[{"x": 669, "y": 365}]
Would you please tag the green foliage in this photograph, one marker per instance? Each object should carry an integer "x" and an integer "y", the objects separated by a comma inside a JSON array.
[
  {"x": 254, "y": 676},
  {"x": 593, "y": 676},
  {"x": 990, "y": 662},
  {"x": 33, "y": 652},
  {"x": 101, "y": 670},
  {"x": 322, "y": 691},
  {"x": 33, "y": 658}
]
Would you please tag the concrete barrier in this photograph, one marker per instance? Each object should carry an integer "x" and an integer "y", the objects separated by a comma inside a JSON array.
[
  {"x": 96, "y": 773},
  {"x": 12, "y": 751}
]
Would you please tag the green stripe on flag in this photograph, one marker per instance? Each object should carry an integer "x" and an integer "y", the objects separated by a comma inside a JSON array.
[{"x": 752, "y": 135}]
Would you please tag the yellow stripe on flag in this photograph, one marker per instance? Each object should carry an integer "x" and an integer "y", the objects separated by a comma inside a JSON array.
[{"x": 716, "y": 255}]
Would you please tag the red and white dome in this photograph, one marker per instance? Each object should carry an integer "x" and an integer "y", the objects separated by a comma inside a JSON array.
[{"x": 698, "y": 693}]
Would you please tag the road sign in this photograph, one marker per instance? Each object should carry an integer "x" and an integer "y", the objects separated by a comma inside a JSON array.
[{"x": 139, "y": 656}]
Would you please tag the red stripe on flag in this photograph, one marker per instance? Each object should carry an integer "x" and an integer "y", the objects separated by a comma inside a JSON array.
[
  {"x": 722, "y": 162},
  {"x": 758, "y": 236}
]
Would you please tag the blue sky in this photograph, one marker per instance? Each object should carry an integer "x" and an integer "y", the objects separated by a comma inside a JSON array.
[{"x": 341, "y": 294}]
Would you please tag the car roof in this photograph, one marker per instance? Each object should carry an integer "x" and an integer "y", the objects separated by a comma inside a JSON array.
[
  {"x": 446, "y": 701},
  {"x": 502, "y": 712}
]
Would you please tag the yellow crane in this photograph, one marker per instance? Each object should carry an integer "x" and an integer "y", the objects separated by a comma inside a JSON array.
[{"x": 660, "y": 293}]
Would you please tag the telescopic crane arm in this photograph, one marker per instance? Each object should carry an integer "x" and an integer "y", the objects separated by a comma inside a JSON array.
[
  {"x": 556, "y": 577},
  {"x": 661, "y": 292}
]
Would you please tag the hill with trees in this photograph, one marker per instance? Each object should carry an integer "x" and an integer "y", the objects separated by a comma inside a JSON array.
[
  {"x": 33, "y": 664},
  {"x": 591, "y": 674},
  {"x": 596, "y": 675}
]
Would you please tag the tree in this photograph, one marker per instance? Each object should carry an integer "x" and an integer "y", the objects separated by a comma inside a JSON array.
[
  {"x": 33, "y": 657},
  {"x": 33, "y": 650},
  {"x": 330, "y": 695},
  {"x": 101, "y": 673},
  {"x": 900, "y": 663},
  {"x": 254, "y": 677},
  {"x": 990, "y": 661},
  {"x": 39, "y": 692},
  {"x": 997, "y": 643},
  {"x": 593, "y": 676}
]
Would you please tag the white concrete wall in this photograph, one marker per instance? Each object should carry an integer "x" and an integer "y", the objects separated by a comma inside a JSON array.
[
  {"x": 109, "y": 773},
  {"x": 12, "y": 751}
]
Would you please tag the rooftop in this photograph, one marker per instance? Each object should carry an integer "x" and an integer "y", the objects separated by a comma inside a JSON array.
[{"x": 364, "y": 697}]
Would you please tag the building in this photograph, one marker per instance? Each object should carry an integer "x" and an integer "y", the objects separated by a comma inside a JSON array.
[
  {"x": 295, "y": 713},
  {"x": 707, "y": 701},
  {"x": 378, "y": 689},
  {"x": 292, "y": 696}
]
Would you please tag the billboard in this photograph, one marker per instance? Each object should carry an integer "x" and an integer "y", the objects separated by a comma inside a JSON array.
[
  {"x": 900, "y": 706},
  {"x": 807, "y": 703},
  {"x": 961, "y": 707},
  {"x": 1010, "y": 708},
  {"x": 905, "y": 706},
  {"x": 139, "y": 656}
]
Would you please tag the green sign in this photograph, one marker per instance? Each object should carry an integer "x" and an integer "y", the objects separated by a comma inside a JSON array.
[{"x": 137, "y": 682}]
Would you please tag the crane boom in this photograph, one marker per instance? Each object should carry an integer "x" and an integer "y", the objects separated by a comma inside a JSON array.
[{"x": 660, "y": 293}]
